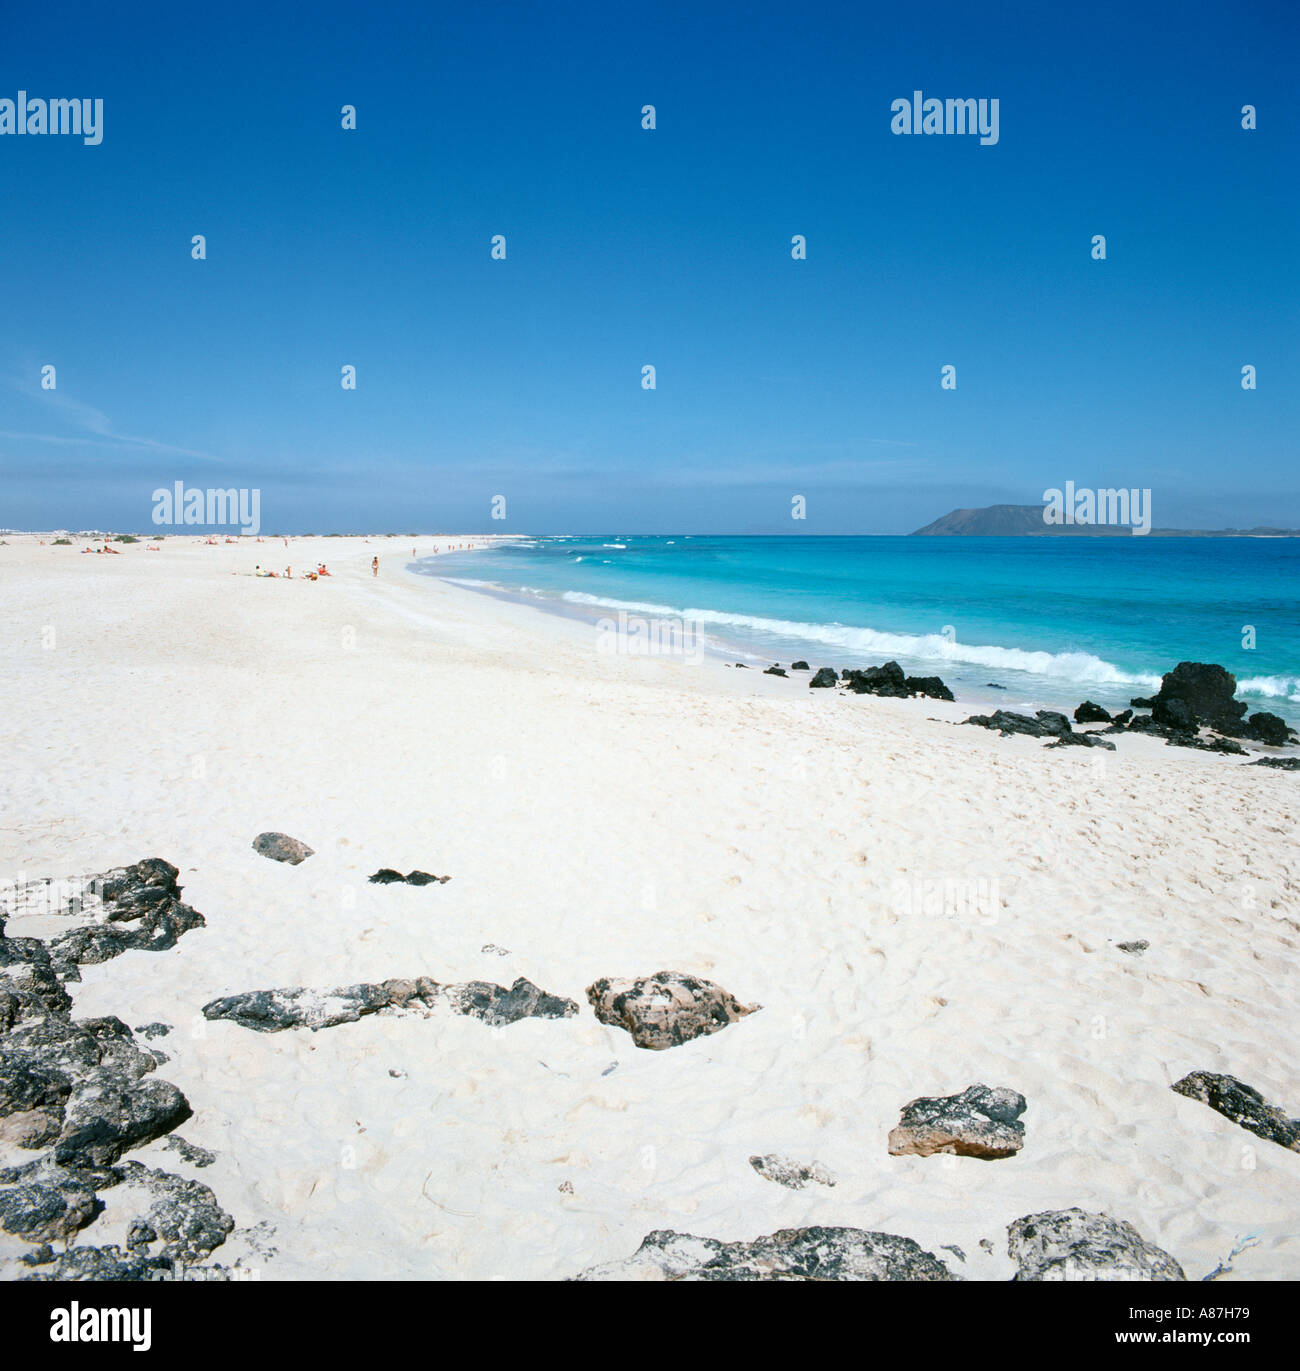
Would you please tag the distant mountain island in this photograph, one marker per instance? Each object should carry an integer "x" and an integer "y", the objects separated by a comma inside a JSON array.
[{"x": 1026, "y": 521}]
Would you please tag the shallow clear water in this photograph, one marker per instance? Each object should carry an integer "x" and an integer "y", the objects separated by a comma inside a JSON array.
[{"x": 1052, "y": 619}]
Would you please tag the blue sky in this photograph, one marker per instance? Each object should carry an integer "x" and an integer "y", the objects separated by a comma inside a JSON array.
[{"x": 522, "y": 378}]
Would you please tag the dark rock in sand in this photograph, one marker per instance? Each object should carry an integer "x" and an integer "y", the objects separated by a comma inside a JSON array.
[
  {"x": 1082, "y": 740},
  {"x": 1278, "y": 763},
  {"x": 887, "y": 680},
  {"x": 185, "y": 1215},
  {"x": 1142, "y": 702},
  {"x": 270, "y": 1011},
  {"x": 137, "y": 908},
  {"x": 1243, "y": 1104},
  {"x": 1122, "y": 717},
  {"x": 387, "y": 876},
  {"x": 793, "y": 1175},
  {"x": 1136, "y": 948},
  {"x": 83, "y": 1091},
  {"x": 1224, "y": 745},
  {"x": 931, "y": 686},
  {"x": 1198, "y": 693},
  {"x": 44, "y": 1203},
  {"x": 1144, "y": 723},
  {"x": 1047, "y": 723},
  {"x": 774, "y": 671},
  {"x": 666, "y": 1009},
  {"x": 105, "y": 1118},
  {"x": 1072, "y": 1245},
  {"x": 153, "y": 1030},
  {"x": 824, "y": 679},
  {"x": 980, "y": 1122},
  {"x": 279, "y": 847},
  {"x": 99, "y": 1264},
  {"x": 188, "y": 1151},
  {"x": 1089, "y": 713},
  {"x": 799, "y": 666},
  {"x": 793, "y": 1254},
  {"x": 1271, "y": 729},
  {"x": 1174, "y": 714}
]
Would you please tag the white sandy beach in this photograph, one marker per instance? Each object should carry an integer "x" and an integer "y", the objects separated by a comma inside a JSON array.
[{"x": 614, "y": 816}]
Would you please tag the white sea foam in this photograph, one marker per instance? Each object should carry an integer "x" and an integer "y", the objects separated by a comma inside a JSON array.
[
  {"x": 1072, "y": 666},
  {"x": 1280, "y": 687}
]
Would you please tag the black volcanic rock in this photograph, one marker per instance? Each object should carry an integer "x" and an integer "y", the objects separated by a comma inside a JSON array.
[
  {"x": 798, "y": 666},
  {"x": 793, "y": 1254},
  {"x": 825, "y": 679},
  {"x": 1007, "y": 722},
  {"x": 1089, "y": 713},
  {"x": 1175, "y": 714},
  {"x": 931, "y": 686},
  {"x": 885, "y": 680},
  {"x": 1198, "y": 693},
  {"x": 1243, "y": 1104},
  {"x": 1270, "y": 729},
  {"x": 1278, "y": 763},
  {"x": 1223, "y": 745},
  {"x": 387, "y": 876},
  {"x": 773, "y": 671},
  {"x": 1073, "y": 1245},
  {"x": 1082, "y": 740},
  {"x": 83, "y": 1092}
]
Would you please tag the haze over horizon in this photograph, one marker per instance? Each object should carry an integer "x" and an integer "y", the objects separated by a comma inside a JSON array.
[{"x": 775, "y": 377}]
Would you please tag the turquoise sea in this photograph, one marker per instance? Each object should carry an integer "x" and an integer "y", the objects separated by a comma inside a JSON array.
[{"x": 1050, "y": 619}]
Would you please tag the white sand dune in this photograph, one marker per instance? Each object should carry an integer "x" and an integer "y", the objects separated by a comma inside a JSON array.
[{"x": 605, "y": 815}]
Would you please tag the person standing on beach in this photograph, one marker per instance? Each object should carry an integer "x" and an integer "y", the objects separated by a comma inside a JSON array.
[{"x": 374, "y": 566}]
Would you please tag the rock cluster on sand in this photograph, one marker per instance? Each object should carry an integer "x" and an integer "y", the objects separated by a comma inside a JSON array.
[
  {"x": 1243, "y": 1104},
  {"x": 791, "y": 1174},
  {"x": 1201, "y": 695},
  {"x": 666, "y": 1009},
  {"x": 270, "y": 1011},
  {"x": 387, "y": 876},
  {"x": 887, "y": 680},
  {"x": 136, "y": 909},
  {"x": 81, "y": 1093},
  {"x": 793, "y": 1254},
  {"x": 1047, "y": 723},
  {"x": 1073, "y": 1245},
  {"x": 279, "y": 847},
  {"x": 980, "y": 1122}
]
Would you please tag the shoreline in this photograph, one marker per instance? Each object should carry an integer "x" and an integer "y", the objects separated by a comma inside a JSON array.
[
  {"x": 732, "y": 652},
  {"x": 603, "y": 816}
]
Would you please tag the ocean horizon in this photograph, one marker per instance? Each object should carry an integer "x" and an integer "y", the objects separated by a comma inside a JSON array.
[{"x": 1043, "y": 619}]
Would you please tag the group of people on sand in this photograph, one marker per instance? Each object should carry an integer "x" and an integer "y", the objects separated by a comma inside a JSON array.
[
  {"x": 103, "y": 547},
  {"x": 287, "y": 573}
]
